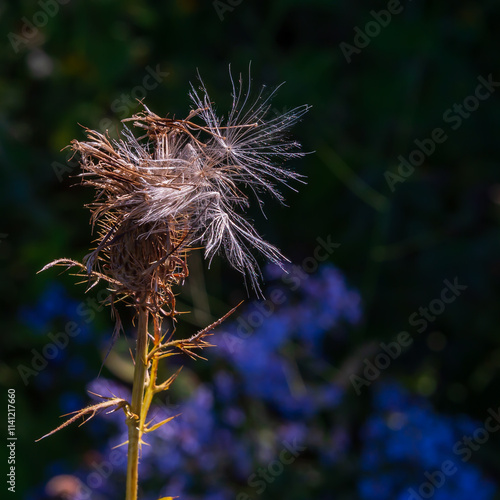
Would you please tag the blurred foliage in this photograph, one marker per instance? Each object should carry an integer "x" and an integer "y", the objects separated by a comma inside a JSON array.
[{"x": 84, "y": 63}]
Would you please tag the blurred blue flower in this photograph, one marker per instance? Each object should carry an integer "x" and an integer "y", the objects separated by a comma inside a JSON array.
[
  {"x": 405, "y": 441},
  {"x": 253, "y": 343},
  {"x": 70, "y": 401},
  {"x": 53, "y": 303}
]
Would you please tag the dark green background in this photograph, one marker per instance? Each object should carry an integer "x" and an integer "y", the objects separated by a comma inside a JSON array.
[{"x": 396, "y": 247}]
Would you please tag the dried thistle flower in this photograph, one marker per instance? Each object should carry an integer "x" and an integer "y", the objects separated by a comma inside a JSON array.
[
  {"x": 179, "y": 186},
  {"x": 183, "y": 184}
]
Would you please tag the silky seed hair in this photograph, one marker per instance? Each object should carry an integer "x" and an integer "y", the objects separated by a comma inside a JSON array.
[{"x": 179, "y": 185}]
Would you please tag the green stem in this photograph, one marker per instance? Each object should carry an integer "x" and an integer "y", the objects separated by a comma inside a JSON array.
[{"x": 136, "y": 407}]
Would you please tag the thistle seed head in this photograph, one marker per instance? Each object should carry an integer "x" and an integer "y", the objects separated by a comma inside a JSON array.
[{"x": 183, "y": 184}]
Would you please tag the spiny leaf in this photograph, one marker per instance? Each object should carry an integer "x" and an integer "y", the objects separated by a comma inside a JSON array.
[
  {"x": 159, "y": 424},
  {"x": 121, "y": 444},
  {"x": 168, "y": 382},
  {"x": 197, "y": 340},
  {"x": 118, "y": 402}
]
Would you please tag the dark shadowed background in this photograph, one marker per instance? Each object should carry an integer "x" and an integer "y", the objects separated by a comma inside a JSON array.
[{"x": 320, "y": 394}]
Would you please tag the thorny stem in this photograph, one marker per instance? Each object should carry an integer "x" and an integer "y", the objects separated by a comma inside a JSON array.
[
  {"x": 150, "y": 392},
  {"x": 153, "y": 373},
  {"x": 135, "y": 428},
  {"x": 145, "y": 387}
]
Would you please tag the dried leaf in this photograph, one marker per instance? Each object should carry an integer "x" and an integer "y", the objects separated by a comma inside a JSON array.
[{"x": 118, "y": 402}]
